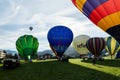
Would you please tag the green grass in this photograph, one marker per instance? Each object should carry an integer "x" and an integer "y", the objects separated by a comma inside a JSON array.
[{"x": 75, "y": 69}]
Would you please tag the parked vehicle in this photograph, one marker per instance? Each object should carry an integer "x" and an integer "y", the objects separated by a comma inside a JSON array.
[{"x": 10, "y": 63}]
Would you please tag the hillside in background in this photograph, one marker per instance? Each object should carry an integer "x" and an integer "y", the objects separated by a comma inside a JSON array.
[{"x": 69, "y": 52}]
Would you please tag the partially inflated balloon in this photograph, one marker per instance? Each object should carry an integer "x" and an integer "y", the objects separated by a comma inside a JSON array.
[
  {"x": 103, "y": 13},
  {"x": 79, "y": 44},
  {"x": 95, "y": 46},
  {"x": 59, "y": 37},
  {"x": 27, "y": 46},
  {"x": 112, "y": 46}
]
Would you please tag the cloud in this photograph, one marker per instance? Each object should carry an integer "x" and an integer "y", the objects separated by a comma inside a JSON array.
[
  {"x": 18, "y": 16},
  {"x": 9, "y": 9}
]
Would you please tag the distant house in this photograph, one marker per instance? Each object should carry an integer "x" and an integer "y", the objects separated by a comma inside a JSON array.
[
  {"x": 45, "y": 56},
  {"x": 2, "y": 54}
]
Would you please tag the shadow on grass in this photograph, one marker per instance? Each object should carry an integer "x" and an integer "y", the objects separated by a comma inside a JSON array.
[
  {"x": 106, "y": 62},
  {"x": 54, "y": 70}
]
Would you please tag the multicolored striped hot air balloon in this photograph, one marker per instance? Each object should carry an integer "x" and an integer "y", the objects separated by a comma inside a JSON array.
[
  {"x": 60, "y": 38},
  {"x": 103, "y": 13},
  {"x": 118, "y": 54},
  {"x": 112, "y": 46},
  {"x": 27, "y": 46},
  {"x": 95, "y": 46}
]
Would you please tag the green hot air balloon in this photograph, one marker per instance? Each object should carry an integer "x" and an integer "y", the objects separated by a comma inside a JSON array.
[{"x": 27, "y": 46}]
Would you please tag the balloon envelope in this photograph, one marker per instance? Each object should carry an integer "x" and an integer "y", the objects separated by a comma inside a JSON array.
[
  {"x": 112, "y": 45},
  {"x": 31, "y": 28},
  {"x": 59, "y": 37},
  {"x": 118, "y": 54},
  {"x": 95, "y": 45},
  {"x": 103, "y": 13},
  {"x": 79, "y": 44},
  {"x": 27, "y": 46}
]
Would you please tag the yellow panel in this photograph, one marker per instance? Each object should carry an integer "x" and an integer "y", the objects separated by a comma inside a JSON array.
[
  {"x": 102, "y": 25},
  {"x": 80, "y": 3},
  {"x": 109, "y": 21},
  {"x": 113, "y": 45}
]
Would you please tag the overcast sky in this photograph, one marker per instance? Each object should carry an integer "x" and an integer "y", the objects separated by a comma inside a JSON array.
[{"x": 16, "y": 16}]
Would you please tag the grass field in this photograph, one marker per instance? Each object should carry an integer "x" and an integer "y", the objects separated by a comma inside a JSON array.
[{"x": 75, "y": 69}]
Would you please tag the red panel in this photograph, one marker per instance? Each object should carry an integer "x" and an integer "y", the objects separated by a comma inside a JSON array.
[
  {"x": 105, "y": 9},
  {"x": 74, "y": 2},
  {"x": 117, "y": 4},
  {"x": 98, "y": 14}
]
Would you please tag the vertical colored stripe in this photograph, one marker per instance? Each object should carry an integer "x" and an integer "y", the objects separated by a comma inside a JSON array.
[
  {"x": 113, "y": 45},
  {"x": 89, "y": 45},
  {"x": 25, "y": 41},
  {"x": 109, "y": 44},
  {"x": 116, "y": 47},
  {"x": 94, "y": 46},
  {"x": 101, "y": 44},
  {"x": 97, "y": 43},
  {"x": 19, "y": 44}
]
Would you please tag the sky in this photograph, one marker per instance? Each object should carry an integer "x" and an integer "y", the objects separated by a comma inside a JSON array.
[{"x": 16, "y": 16}]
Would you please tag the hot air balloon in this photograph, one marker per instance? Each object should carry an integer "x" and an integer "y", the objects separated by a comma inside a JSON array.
[
  {"x": 118, "y": 54},
  {"x": 79, "y": 44},
  {"x": 103, "y": 13},
  {"x": 59, "y": 38},
  {"x": 95, "y": 46},
  {"x": 30, "y": 28},
  {"x": 27, "y": 46},
  {"x": 112, "y": 46}
]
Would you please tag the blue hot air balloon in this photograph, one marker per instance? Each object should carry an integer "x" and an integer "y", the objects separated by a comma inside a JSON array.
[{"x": 59, "y": 38}]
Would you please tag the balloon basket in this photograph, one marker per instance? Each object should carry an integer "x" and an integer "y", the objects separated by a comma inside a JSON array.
[
  {"x": 29, "y": 59},
  {"x": 63, "y": 59}
]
